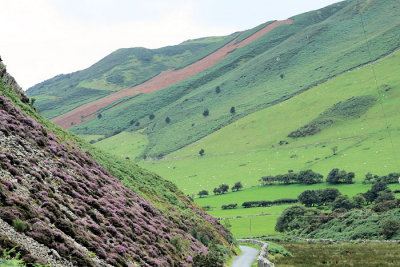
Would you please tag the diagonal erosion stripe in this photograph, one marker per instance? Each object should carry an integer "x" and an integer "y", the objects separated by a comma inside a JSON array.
[{"x": 162, "y": 80}]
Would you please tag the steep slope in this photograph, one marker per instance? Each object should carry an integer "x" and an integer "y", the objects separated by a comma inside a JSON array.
[
  {"x": 288, "y": 60},
  {"x": 162, "y": 80},
  {"x": 365, "y": 133},
  {"x": 60, "y": 206},
  {"x": 121, "y": 69}
]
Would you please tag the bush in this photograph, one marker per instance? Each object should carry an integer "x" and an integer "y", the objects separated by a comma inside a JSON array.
[
  {"x": 390, "y": 228},
  {"x": 206, "y": 113},
  {"x": 19, "y": 225},
  {"x": 229, "y": 206},
  {"x": 201, "y": 152}
]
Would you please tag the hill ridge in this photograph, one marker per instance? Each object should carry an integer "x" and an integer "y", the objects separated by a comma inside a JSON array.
[{"x": 162, "y": 80}]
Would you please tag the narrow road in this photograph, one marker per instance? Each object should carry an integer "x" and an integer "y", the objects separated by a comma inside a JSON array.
[{"x": 246, "y": 259}]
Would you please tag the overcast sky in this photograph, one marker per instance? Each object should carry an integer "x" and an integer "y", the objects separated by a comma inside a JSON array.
[{"x": 43, "y": 38}]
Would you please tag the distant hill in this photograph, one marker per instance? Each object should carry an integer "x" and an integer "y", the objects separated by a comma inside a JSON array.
[
  {"x": 65, "y": 203},
  {"x": 285, "y": 61}
]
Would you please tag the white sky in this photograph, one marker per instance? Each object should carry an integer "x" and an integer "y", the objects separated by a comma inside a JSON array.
[{"x": 43, "y": 38}]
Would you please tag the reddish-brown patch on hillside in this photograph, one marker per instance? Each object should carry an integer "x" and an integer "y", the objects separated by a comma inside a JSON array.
[{"x": 162, "y": 80}]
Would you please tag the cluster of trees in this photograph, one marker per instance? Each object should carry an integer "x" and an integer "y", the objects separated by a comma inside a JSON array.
[
  {"x": 303, "y": 177},
  {"x": 229, "y": 206},
  {"x": 267, "y": 203},
  {"x": 340, "y": 177},
  {"x": 321, "y": 197},
  {"x": 391, "y": 178},
  {"x": 379, "y": 194},
  {"x": 222, "y": 189}
]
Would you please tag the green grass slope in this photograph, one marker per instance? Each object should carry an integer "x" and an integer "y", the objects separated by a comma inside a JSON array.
[
  {"x": 249, "y": 148},
  {"x": 283, "y": 63},
  {"x": 123, "y": 68}
]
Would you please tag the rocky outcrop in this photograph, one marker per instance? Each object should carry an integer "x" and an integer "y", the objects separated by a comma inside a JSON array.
[
  {"x": 263, "y": 256},
  {"x": 10, "y": 81}
]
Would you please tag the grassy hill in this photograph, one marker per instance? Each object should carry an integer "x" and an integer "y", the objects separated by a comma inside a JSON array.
[
  {"x": 288, "y": 60},
  {"x": 123, "y": 68},
  {"x": 249, "y": 148},
  {"x": 64, "y": 202}
]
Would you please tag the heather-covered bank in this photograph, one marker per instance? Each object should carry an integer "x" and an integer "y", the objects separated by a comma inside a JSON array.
[{"x": 53, "y": 193}]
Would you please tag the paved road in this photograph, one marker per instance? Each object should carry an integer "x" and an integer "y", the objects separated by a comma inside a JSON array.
[{"x": 246, "y": 259}]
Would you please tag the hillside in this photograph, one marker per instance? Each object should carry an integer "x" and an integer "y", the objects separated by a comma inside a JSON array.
[
  {"x": 365, "y": 135},
  {"x": 65, "y": 203},
  {"x": 282, "y": 63}
]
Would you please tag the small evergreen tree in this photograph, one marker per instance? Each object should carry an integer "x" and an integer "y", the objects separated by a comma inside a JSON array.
[
  {"x": 218, "y": 89},
  {"x": 167, "y": 120},
  {"x": 233, "y": 110},
  {"x": 206, "y": 113}
]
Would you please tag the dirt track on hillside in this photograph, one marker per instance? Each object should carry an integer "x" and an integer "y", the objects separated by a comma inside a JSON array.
[{"x": 162, "y": 80}]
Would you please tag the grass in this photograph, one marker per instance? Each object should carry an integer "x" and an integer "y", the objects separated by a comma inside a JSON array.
[
  {"x": 123, "y": 68},
  {"x": 249, "y": 148},
  {"x": 129, "y": 144},
  {"x": 343, "y": 254},
  {"x": 317, "y": 46}
]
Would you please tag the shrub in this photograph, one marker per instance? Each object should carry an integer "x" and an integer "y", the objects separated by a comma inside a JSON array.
[
  {"x": 229, "y": 206},
  {"x": 390, "y": 228},
  {"x": 206, "y": 113},
  {"x": 151, "y": 116},
  {"x": 201, "y": 152},
  {"x": 218, "y": 89},
  {"x": 167, "y": 120},
  {"x": 19, "y": 225},
  {"x": 232, "y": 110}
]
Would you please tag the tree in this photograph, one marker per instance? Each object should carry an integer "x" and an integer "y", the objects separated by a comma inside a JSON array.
[
  {"x": 309, "y": 198},
  {"x": 218, "y": 89},
  {"x": 384, "y": 196},
  {"x": 295, "y": 217},
  {"x": 282, "y": 76},
  {"x": 203, "y": 193},
  {"x": 390, "y": 228},
  {"x": 372, "y": 194},
  {"x": 342, "y": 202},
  {"x": 167, "y": 120},
  {"x": 328, "y": 195},
  {"x": 137, "y": 123},
  {"x": 151, "y": 116},
  {"x": 99, "y": 116},
  {"x": 216, "y": 191},
  {"x": 237, "y": 186},
  {"x": 309, "y": 177},
  {"x": 358, "y": 201},
  {"x": 233, "y": 110},
  {"x": 206, "y": 113},
  {"x": 201, "y": 152},
  {"x": 340, "y": 177},
  {"x": 223, "y": 188},
  {"x": 333, "y": 176}
]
